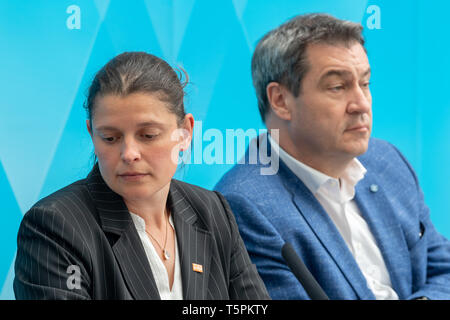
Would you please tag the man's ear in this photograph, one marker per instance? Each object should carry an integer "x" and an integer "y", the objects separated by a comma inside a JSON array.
[{"x": 278, "y": 97}]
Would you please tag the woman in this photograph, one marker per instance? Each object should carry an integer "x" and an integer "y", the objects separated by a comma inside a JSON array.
[{"x": 129, "y": 230}]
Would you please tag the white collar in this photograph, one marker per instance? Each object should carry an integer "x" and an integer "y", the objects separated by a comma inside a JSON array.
[
  {"x": 314, "y": 179},
  {"x": 139, "y": 222}
]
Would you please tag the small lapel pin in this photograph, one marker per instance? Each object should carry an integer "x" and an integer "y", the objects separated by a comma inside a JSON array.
[
  {"x": 197, "y": 268},
  {"x": 373, "y": 188}
]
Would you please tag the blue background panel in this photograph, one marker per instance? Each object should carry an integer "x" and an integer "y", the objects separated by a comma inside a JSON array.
[{"x": 47, "y": 67}]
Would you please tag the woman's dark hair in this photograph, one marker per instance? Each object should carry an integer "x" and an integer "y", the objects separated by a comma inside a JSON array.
[{"x": 132, "y": 72}]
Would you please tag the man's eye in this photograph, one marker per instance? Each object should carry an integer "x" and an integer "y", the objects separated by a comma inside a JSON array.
[{"x": 336, "y": 88}]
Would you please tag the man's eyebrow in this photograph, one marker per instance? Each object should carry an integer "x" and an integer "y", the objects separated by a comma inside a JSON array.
[
  {"x": 335, "y": 72},
  {"x": 367, "y": 72},
  {"x": 342, "y": 73}
]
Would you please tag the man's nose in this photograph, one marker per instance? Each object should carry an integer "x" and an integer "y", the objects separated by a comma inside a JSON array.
[{"x": 360, "y": 101}]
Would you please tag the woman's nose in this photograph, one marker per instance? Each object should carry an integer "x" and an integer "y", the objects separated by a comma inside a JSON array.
[{"x": 130, "y": 151}]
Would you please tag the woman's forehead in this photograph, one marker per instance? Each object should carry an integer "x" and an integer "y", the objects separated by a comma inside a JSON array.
[
  {"x": 138, "y": 100},
  {"x": 137, "y": 110}
]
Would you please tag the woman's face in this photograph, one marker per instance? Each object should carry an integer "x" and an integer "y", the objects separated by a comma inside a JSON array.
[{"x": 137, "y": 141}]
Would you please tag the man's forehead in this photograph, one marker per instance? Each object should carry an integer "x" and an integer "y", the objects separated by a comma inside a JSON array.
[{"x": 322, "y": 56}]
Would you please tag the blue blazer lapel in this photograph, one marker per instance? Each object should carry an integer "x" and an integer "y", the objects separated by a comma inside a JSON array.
[
  {"x": 326, "y": 232},
  {"x": 379, "y": 214}
]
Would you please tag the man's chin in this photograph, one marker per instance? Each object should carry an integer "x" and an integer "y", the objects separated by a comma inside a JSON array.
[
  {"x": 357, "y": 148},
  {"x": 360, "y": 149}
]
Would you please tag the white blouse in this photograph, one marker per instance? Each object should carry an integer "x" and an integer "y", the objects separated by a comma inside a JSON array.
[{"x": 159, "y": 271}]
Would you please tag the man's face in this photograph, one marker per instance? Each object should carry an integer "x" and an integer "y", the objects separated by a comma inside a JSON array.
[{"x": 332, "y": 115}]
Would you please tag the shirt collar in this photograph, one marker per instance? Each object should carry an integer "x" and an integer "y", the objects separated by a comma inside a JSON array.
[
  {"x": 314, "y": 179},
  {"x": 354, "y": 173},
  {"x": 139, "y": 222}
]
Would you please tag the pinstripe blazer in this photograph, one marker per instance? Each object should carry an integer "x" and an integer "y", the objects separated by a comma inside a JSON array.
[{"x": 80, "y": 243}]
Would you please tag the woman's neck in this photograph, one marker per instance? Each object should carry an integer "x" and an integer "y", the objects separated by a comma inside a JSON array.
[{"x": 152, "y": 210}]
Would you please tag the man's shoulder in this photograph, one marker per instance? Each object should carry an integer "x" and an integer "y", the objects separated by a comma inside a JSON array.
[
  {"x": 379, "y": 146},
  {"x": 385, "y": 162},
  {"x": 381, "y": 153},
  {"x": 243, "y": 176}
]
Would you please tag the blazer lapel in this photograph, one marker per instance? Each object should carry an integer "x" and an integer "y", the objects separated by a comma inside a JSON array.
[
  {"x": 194, "y": 245},
  {"x": 380, "y": 216},
  {"x": 326, "y": 232},
  {"x": 129, "y": 252},
  {"x": 322, "y": 226}
]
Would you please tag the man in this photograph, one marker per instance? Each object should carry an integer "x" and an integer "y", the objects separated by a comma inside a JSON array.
[{"x": 350, "y": 205}]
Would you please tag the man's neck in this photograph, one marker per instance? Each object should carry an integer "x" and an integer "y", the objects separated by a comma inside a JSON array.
[{"x": 332, "y": 165}]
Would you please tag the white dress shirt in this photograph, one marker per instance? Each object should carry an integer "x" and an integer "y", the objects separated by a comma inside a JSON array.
[
  {"x": 159, "y": 271},
  {"x": 337, "y": 198}
]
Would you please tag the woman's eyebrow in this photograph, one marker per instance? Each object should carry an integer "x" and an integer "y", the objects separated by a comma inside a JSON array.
[{"x": 140, "y": 125}]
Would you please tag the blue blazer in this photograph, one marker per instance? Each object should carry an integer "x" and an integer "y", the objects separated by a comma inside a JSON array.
[{"x": 274, "y": 209}]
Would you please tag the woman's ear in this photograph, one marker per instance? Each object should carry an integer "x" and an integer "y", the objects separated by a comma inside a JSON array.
[
  {"x": 183, "y": 137},
  {"x": 88, "y": 125},
  {"x": 188, "y": 129}
]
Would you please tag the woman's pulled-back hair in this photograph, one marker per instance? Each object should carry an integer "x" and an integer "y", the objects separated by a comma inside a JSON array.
[{"x": 133, "y": 72}]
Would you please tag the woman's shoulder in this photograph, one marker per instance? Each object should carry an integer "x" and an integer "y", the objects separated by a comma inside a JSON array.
[
  {"x": 71, "y": 207},
  {"x": 188, "y": 187},
  {"x": 198, "y": 196},
  {"x": 209, "y": 206},
  {"x": 72, "y": 195}
]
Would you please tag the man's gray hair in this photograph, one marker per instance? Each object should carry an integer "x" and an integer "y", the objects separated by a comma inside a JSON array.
[{"x": 280, "y": 55}]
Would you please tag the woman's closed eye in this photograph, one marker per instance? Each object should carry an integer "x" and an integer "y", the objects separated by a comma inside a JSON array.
[
  {"x": 110, "y": 139},
  {"x": 149, "y": 136}
]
